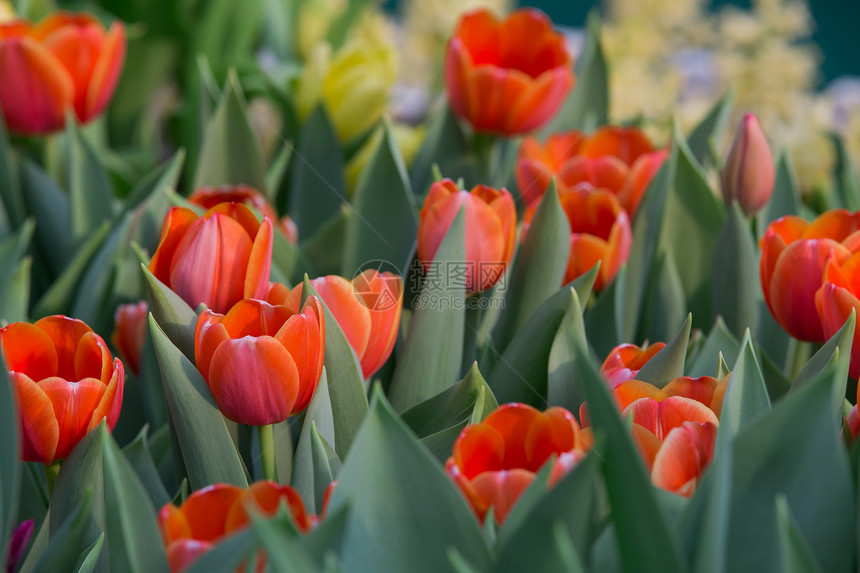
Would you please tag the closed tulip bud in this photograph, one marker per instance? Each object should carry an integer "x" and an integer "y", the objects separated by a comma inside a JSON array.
[
  {"x": 66, "y": 62},
  {"x": 262, "y": 362},
  {"x": 216, "y": 259},
  {"x": 130, "y": 332},
  {"x": 625, "y": 360},
  {"x": 491, "y": 222},
  {"x": 748, "y": 174},
  {"x": 66, "y": 382},
  {"x": 208, "y": 197}
]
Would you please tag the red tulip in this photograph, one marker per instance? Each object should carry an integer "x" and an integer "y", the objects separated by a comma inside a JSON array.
[
  {"x": 130, "y": 332},
  {"x": 508, "y": 76},
  {"x": 495, "y": 461},
  {"x": 599, "y": 231},
  {"x": 837, "y": 297},
  {"x": 67, "y": 61},
  {"x": 208, "y": 197},
  {"x": 367, "y": 309},
  {"x": 625, "y": 360},
  {"x": 852, "y": 422},
  {"x": 620, "y": 160},
  {"x": 262, "y": 362},
  {"x": 18, "y": 545},
  {"x": 748, "y": 175},
  {"x": 706, "y": 390},
  {"x": 216, "y": 259},
  {"x": 214, "y": 512},
  {"x": 66, "y": 382},
  {"x": 491, "y": 222},
  {"x": 793, "y": 257}
]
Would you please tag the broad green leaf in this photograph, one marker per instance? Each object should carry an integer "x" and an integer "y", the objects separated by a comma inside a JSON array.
[
  {"x": 90, "y": 192},
  {"x": 163, "y": 177},
  {"x": 68, "y": 540},
  {"x": 719, "y": 342},
  {"x": 230, "y": 153},
  {"x": 603, "y": 319},
  {"x": 89, "y": 558},
  {"x": 446, "y": 147},
  {"x": 389, "y": 527},
  {"x": 430, "y": 359},
  {"x": 15, "y": 294},
  {"x": 277, "y": 170},
  {"x": 838, "y": 348},
  {"x": 318, "y": 415},
  {"x": 175, "y": 317},
  {"x": 563, "y": 388},
  {"x": 345, "y": 381},
  {"x": 708, "y": 134},
  {"x": 668, "y": 364},
  {"x": 646, "y": 541},
  {"x": 10, "y": 186},
  {"x": 538, "y": 267},
  {"x": 138, "y": 456},
  {"x": 12, "y": 250},
  {"x": 205, "y": 443},
  {"x": 775, "y": 341},
  {"x": 736, "y": 290},
  {"x": 317, "y": 184},
  {"x": 321, "y": 253},
  {"x": 746, "y": 398},
  {"x": 383, "y": 226},
  {"x": 847, "y": 183},
  {"x": 786, "y": 194},
  {"x": 228, "y": 554},
  {"x": 283, "y": 552},
  {"x": 796, "y": 555},
  {"x": 10, "y": 467},
  {"x": 49, "y": 206},
  {"x": 665, "y": 302}
]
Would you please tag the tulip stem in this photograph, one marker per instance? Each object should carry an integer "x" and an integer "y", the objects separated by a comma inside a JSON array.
[
  {"x": 51, "y": 472},
  {"x": 266, "y": 434}
]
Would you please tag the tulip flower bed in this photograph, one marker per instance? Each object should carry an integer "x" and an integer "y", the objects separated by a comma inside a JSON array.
[{"x": 539, "y": 343}]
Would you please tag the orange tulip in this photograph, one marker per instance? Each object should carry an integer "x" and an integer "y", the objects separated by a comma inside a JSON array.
[
  {"x": 66, "y": 382},
  {"x": 262, "y": 362},
  {"x": 625, "y": 360},
  {"x": 834, "y": 301},
  {"x": 208, "y": 197},
  {"x": 706, "y": 390},
  {"x": 216, "y": 259},
  {"x": 749, "y": 173},
  {"x": 852, "y": 422},
  {"x": 508, "y": 76},
  {"x": 599, "y": 231},
  {"x": 495, "y": 461},
  {"x": 491, "y": 222},
  {"x": 620, "y": 160},
  {"x": 67, "y": 61},
  {"x": 130, "y": 332},
  {"x": 367, "y": 309},
  {"x": 794, "y": 253},
  {"x": 214, "y": 512}
]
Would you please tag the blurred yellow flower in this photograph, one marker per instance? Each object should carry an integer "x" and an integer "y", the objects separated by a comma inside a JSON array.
[
  {"x": 407, "y": 138},
  {"x": 353, "y": 84},
  {"x": 315, "y": 19},
  {"x": 7, "y": 13}
]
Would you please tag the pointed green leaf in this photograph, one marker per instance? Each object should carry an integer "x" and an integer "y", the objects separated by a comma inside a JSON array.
[
  {"x": 227, "y": 31},
  {"x": 847, "y": 183},
  {"x": 318, "y": 415},
  {"x": 10, "y": 467},
  {"x": 228, "y": 554},
  {"x": 746, "y": 397},
  {"x": 665, "y": 305},
  {"x": 49, "y": 206},
  {"x": 138, "y": 456},
  {"x": 322, "y": 251},
  {"x": 90, "y": 556},
  {"x": 283, "y": 553},
  {"x": 603, "y": 319},
  {"x": 175, "y": 317},
  {"x": 432, "y": 353},
  {"x": 163, "y": 177},
  {"x": 736, "y": 287},
  {"x": 720, "y": 344},
  {"x": 326, "y": 466},
  {"x": 90, "y": 192},
  {"x": 796, "y": 555},
  {"x": 563, "y": 388},
  {"x": 786, "y": 194},
  {"x": 10, "y": 186},
  {"x": 709, "y": 132},
  {"x": 445, "y": 148},
  {"x": 205, "y": 443},
  {"x": 668, "y": 364},
  {"x": 68, "y": 541},
  {"x": 839, "y": 345}
]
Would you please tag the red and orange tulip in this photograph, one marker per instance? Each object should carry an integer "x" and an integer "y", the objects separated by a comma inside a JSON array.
[
  {"x": 749, "y": 173},
  {"x": 491, "y": 223},
  {"x": 599, "y": 231},
  {"x": 130, "y": 332},
  {"x": 621, "y": 160},
  {"x": 794, "y": 254},
  {"x": 66, "y": 382},
  {"x": 834, "y": 301},
  {"x": 66, "y": 62},
  {"x": 508, "y": 76},
  {"x": 216, "y": 259},
  {"x": 208, "y": 197},
  {"x": 706, "y": 390},
  {"x": 495, "y": 461},
  {"x": 211, "y": 513},
  {"x": 262, "y": 362},
  {"x": 625, "y": 360},
  {"x": 367, "y": 309}
]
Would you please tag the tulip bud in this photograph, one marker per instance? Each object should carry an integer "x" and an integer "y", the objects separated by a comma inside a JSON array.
[
  {"x": 748, "y": 174},
  {"x": 130, "y": 332}
]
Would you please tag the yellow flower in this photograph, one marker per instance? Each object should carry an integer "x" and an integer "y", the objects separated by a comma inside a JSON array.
[
  {"x": 7, "y": 13},
  {"x": 353, "y": 84},
  {"x": 407, "y": 138}
]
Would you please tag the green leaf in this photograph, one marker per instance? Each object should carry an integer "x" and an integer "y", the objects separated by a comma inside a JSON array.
[
  {"x": 563, "y": 388},
  {"x": 847, "y": 183},
  {"x": 226, "y": 31},
  {"x": 719, "y": 342},
  {"x": 587, "y": 106},
  {"x": 796, "y": 555},
  {"x": 786, "y": 194},
  {"x": 10, "y": 467},
  {"x": 838, "y": 349},
  {"x": 317, "y": 184},
  {"x": 736, "y": 287},
  {"x": 384, "y": 225},
  {"x": 89, "y": 558},
  {"x": 346, "y": 384},
  {"x": 325, "y": 246},
  {"x": 646, "y": 541},
  {"x": 389, "y": 527},
  {"x": 538, "y": 267},
  {"x": 68, "y": 540},
  {"x": 603, "y": 318},
  {"x": 138, "y": 456},
  {"x": 668, "y": 364},
  {"x": 175, "y": 317},
  {"x": 50, "y": 207},
  {"x": 318, "y": 417},
  {"x": 430, "y": 359},
  {"x": 230, "y": 152},
  {"x": 10, "y": 186},
  {"x": 446, "y": 148},
  {"x": 14, "y": 285},
  {"x": 228, "y": 554},
  {"x": 746, "y": 397},
  {"x": 205, "y": 443},
  {"x": 340, "y": 27},
  {"x": 283, "y": 553},
  {"x": 666, "y": 301},
  {"x": 154, "y": 183},
  {"x": 90, "y": 191},
  {"x": 708, "y": 134}
]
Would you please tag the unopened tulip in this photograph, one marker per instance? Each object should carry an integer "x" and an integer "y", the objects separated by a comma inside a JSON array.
[
  {"x": 495, "y": 461},
  {"x": 216, "y": 259},
  {"x": 794, "y": 254},
  {"x": 706, "y": 390},
  {"x": 748, "y": 174},
  {"x": 66, "y": 382},
  {"x": 214, "y": 512},
  {"x": 509, "y": 76},
  {"x": 66, "y": 62},
  {"x": 208, "y": 197},
  {"x": 366, "y": 308},
  {"x": 490, "y": 221},
  {"x": 625, "y": 360},
  {"x": 130, "y": 332},
  {"x": 18, "y": 545},
  {"x": 262, "y": 362}
]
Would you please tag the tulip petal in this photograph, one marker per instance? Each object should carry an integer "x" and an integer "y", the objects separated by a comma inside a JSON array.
[
  {"x": 29, "y": 350},
  {"x": 683, "y": 457},
  {"x": 77, "y": 49},
  {"x": 554, "y": 432},
  {"x": 266, "y": 497},
  {"x": 303, "y": 337},
  {"x": 176, "y": 224},
  {"x": 513, "y": 422},
  {"x": 92, "y": 358},
  {"x": 251, "y": 317},
  {"x": 259, "y": 262},
  {"x": 382, "y": 293},
  {"x": 110, "y": 404},
  {"x": 66, "y": 334},
  {"x": 210, "y": 333},
  {"x": 183, "y": 552},
  {"x": 74, "y": 403},
  {"x": 40, "y": 430},
  {"x": 106, "y": 73},
  {"x": 206, "y": 510},
  {"x": 627, "y": 144},
  {"x": 501, "y": 490},
  {"x": 631, "y": 390},
  {"x": 352, "y": 315},
  {"x": 699, "y": 389},
  {"x": 479, "y": 448}
]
